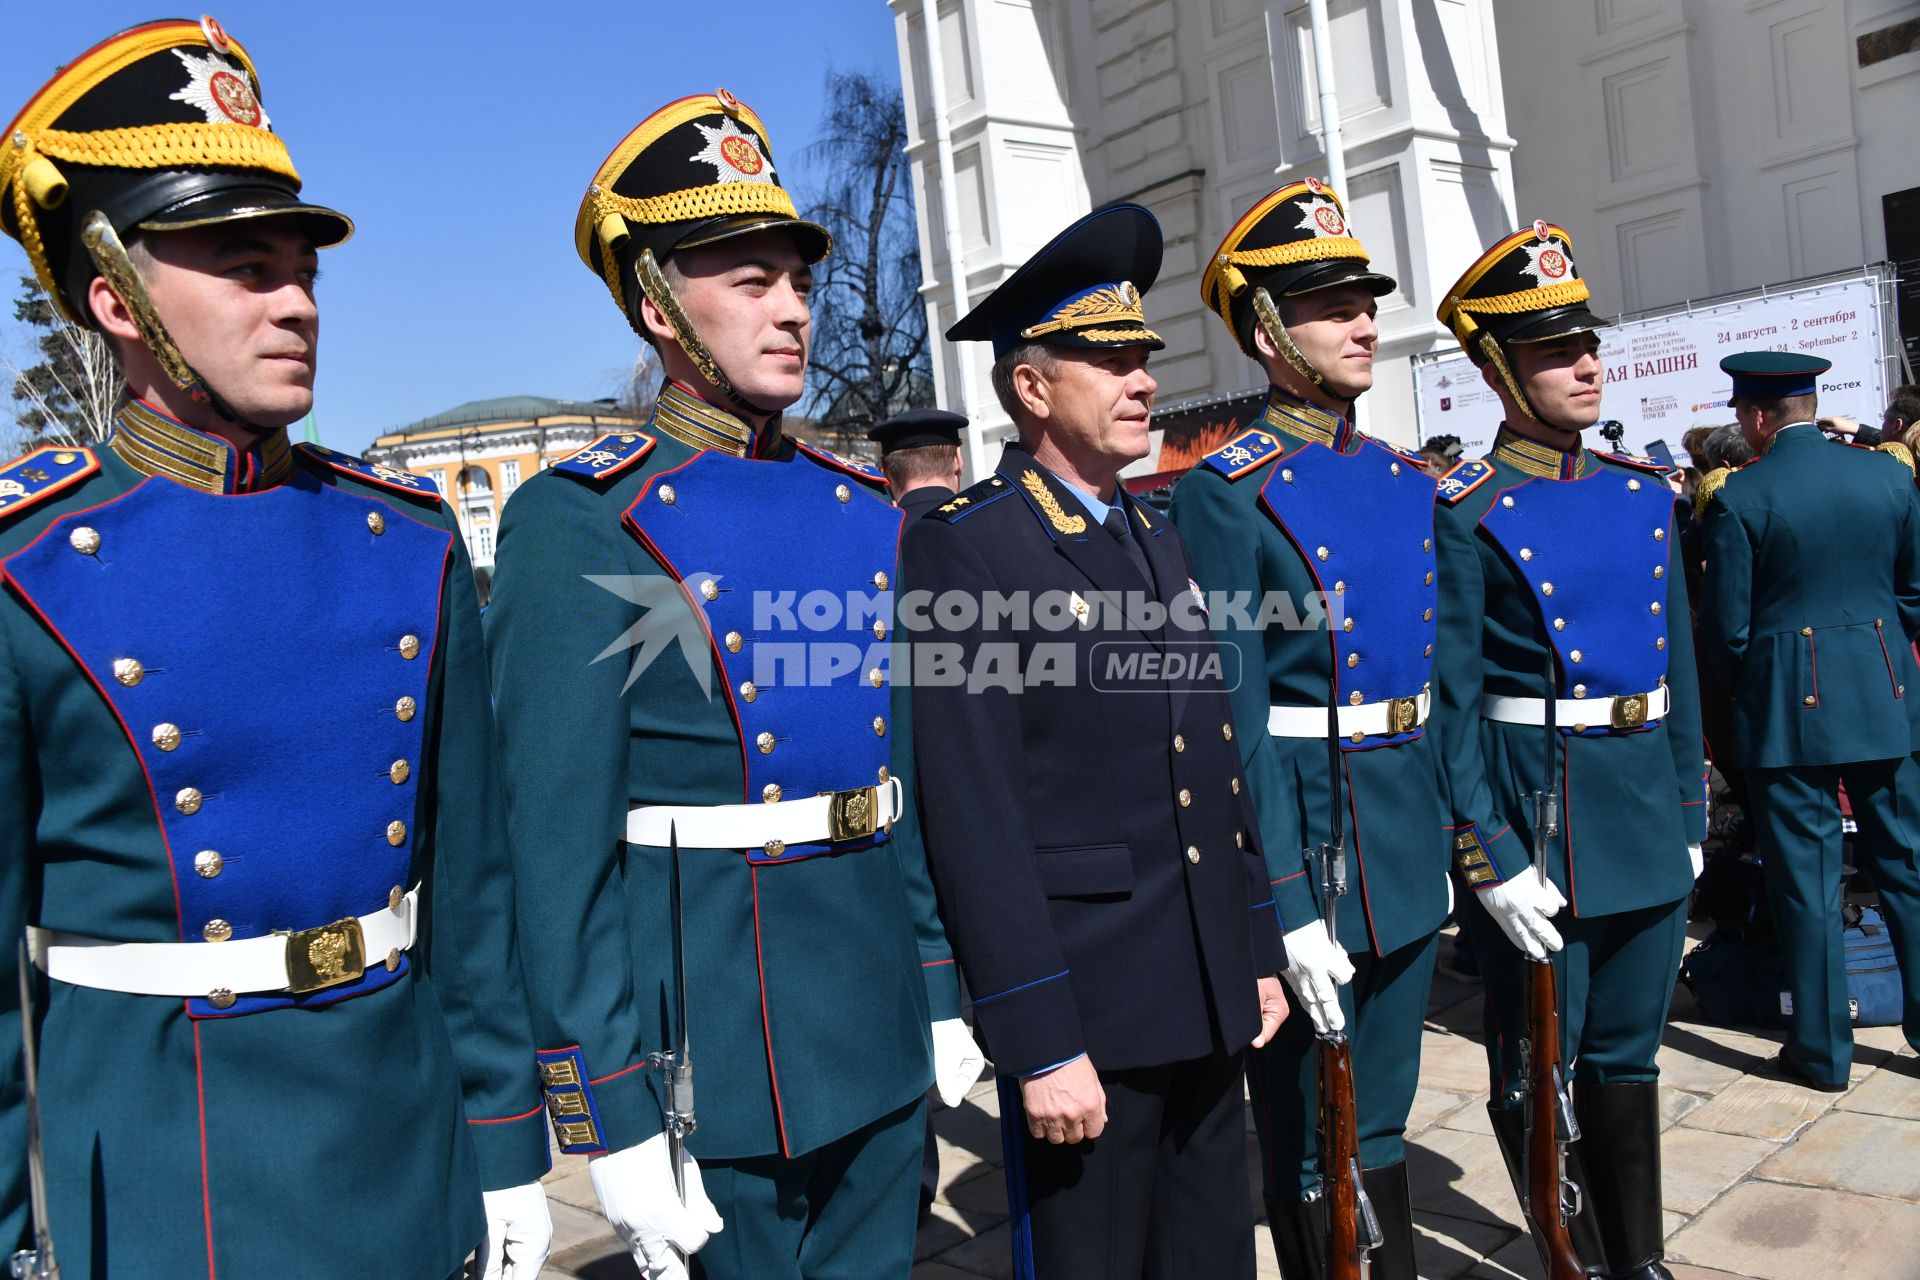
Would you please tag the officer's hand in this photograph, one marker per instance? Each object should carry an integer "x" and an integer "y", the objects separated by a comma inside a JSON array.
[
  {"x": 957, "y": 1060},
  {"x": 519, "y": 1233},
  {"x": 1066, "y": 1104},
  {"x": 1521, "y": 907},
  {"x": 1273, "y": 1009},
  {"x": 1697, "y": 858},
  {"x": 1316, "y": 969},
  {"x": 635, "y": 1188}
]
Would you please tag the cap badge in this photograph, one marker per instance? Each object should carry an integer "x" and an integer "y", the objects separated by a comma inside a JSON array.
[
  {"x": 1540, "y": 228},
  {"x": 733, "y": 153},
  {"x": 220, "y": 90},
  {"x": 1314, "y": 185},
  {"x": 1322, "y": 217},
  {"x": 215, "y": 33},
  {"x": 1547, "y": 263}
]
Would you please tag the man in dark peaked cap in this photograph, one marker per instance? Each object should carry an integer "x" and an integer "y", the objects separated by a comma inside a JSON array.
[
  {"x": 1087, "y": 827},
  {"x": 820, "y": 997},
  {"x": 920, "y": 453},
  {"x": 1810, "y": 607},
  {"x": 253, "y": 823}
]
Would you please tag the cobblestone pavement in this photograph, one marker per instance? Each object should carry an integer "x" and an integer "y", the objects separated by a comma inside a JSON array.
[{"x": 1763, "y": 1178}]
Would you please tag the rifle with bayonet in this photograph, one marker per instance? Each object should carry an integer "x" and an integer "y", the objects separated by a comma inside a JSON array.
[
  {"x": 38, "y": 1262},
  {"x": 1552, "y": 1198},
  {"x": 675, "y": 1062},
  {"x": 1353, "y": 1232}
]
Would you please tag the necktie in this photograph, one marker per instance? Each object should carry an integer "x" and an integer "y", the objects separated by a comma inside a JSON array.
[{"x": 1116, "y": 524}]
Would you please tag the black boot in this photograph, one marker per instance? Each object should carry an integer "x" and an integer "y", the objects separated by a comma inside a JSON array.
[
  {"x": 1510, "y": 1129},
  {"x": 1620, "y": 1137},
  {"x": 1393, "y": 1205},
  {"x": 1299, "y": 1230}
]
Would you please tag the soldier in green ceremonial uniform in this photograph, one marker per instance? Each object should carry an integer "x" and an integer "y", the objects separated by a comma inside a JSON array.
[
  {"x": 1809, "y": 611},
  {"x": 690, "y": 635},
  {"x": 1558, "y": 580},
  {"x": 246, "y": 757},
  {"x": 1302, "y": 508}
]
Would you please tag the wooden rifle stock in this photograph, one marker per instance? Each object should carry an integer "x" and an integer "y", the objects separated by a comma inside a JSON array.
[
  {"x": 1350, "y": 1231},
  {"x": 1545, "y": 1126}
]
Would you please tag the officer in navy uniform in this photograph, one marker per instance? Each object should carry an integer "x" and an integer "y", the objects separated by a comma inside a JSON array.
[
  {"x": 920, "y": 454},
  {"x": 1089, "y": 830},
  {"x": 1809, "y": 611},
  {"x": 245, "y": 747},
  {"x": 1555, "y": 558},
  {"x": 1302, "y": 506},
  {"x": 632, "y": 580}
]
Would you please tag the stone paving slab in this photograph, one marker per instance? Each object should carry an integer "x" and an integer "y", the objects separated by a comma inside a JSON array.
[
  {"x": 1847, "y": 1151},
  {"x": 1697, "y": 1165},
  {"x": 1772, "y": 1231}
]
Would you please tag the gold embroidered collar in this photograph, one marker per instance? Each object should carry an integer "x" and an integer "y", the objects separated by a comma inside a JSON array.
[
  {"x": 699, "y": 425},
  {"x": 156, "y": 445},
  {"x": 1305, "y": 421},
  {"x": 1537, "y": 459}
]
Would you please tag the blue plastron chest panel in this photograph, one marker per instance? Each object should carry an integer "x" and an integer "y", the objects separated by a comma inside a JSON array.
[
  {"x": 269, "y": 657},
  {"x": 1595, "y": 552},
  {"x": 1363, "y": 522},
  {"x": 791, "y": 569}
]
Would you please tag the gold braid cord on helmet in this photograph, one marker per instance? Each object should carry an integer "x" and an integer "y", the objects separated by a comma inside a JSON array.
[
  {"x": 1269, "y": 317},
  {"x": 654, "y": 283}
]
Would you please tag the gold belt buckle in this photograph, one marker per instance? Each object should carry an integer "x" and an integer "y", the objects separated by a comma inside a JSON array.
[
  {"x": 1630, "y": 711},
  {"x": 852, "y": 815},
  {"x": 1403, "y": 715},
  {"x": 326, "y": 956}
]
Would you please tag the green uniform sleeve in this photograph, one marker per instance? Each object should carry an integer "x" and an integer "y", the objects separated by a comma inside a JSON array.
[
  {"x": 16, "y": 856},
  {"x": 1906, "y": 566},
  {"x": 1222, "y": 531},
  {"x": 472, "y": 951},
  {"x": 1485, "y": 849},
  {"x": 1685, "y": 737},
  {"x": 1726, "y": 612},
  {"x": 909, "y": 846},
  {"x": 564, "y": 728}
]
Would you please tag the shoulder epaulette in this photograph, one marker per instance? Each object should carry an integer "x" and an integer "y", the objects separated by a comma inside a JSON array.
[
  {"x": 1244, "y": 453},
  {"x": 859, "y": 468},
  {"x": 395, "y": 478},
  {"x": 41, "y": 474},
  {"x": 971, "y": 499},
  {"x": 1465, "y": 477},
  {"x": 608, "y": 456},
  {"x": 1710, "y": 484},
  {"x": 1405, "y": 455},
  {"x": 1897, "y": 450},
  {"x": 1636, "y": 462}
]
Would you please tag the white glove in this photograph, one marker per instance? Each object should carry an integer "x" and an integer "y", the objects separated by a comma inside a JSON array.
[
  {"x": 1521, "y": 907},
  {"x": 1449, "y": 880},
  {"x": 1697, "y": 858},
  {"x": 519, "y": 1233},
  {"x": 1316, "y": 969},
  {"x": 635, "y": 1188},
  {"x": 957, "y": 1060}
]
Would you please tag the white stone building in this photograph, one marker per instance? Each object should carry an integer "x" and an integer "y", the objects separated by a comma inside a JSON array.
[{"x": 1692, "y": 147}]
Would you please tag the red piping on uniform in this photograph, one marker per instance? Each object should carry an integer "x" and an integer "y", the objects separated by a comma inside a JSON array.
[
  {"x": 1359, "y": 863},
  {"x": 1283, "y": 879},
  {"x": 524, "y": 1115},
  {"x": 1881, "y": 636},
  {"x": 935, "y": 964},
  {"x": 766, "y": 1023},
  {"x": 1566, "y": 827},
  {"x": 1813, "y": 662},
  {"x": 621, "y": 1072},
  {"x": 206, "y": 1184}
]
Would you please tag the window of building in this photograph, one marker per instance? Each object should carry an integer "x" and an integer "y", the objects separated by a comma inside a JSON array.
[
  {"x": 509, "y": 476},
  {"x": 483, "y": 543}
]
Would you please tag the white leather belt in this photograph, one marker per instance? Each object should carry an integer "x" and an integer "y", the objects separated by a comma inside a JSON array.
[
  {"x": 822, "y": 819},
  {"x": 1370, "y": 719},
  {"x": 1629, "y": 711},
  {"x": 309, "y": 960}
]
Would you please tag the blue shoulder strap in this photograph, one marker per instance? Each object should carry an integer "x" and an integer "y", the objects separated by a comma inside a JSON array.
[
  {"x": 971, "y": 499},
  {"x": 378, "y": 473},
  {"x": 1464, "y": 479},
  {"x": 608, "y": 456},
  {"x": 859, "y": 468},
  {"x": 1244, "y": 453},
  {"x": 46, "y": 471}
]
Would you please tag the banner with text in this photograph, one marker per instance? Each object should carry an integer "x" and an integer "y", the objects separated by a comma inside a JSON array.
[{"x": 1663, "y": 370}]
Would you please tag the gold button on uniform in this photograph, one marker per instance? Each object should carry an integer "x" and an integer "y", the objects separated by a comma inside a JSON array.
[
  {"x": 1506, "y": 502},
  {"x": 1353, "y": 660},
  {"x": 1806, "y": 631},
  {"x": 880, "y": 726},
  {"x": 1179, "y": 743},
  {"x": 749, "y": 691},
  {"x": 1546, "y": 588},
  {"x": 1426, "y": 544},
  {"x": 1575, "y": 655},
  {"x": 409, "y": 647},
  {"x": 774, "y": 848},
  {"x": 764, "y": 742},
  {"x": 1236, "y": 786},
  {"x": 1526, "y": 553},
  {"x": 207, "y": 864},
  {"x": 1660, "y": 642},
  {"x": 396, "y": 833},
  {"x": 1426, "y": 615},
  {"x": 216, "y": 931},
  {"x": 1193, "y": 854},
  {"x": 1659, "y": 571},
  {"x": 1239, "y": 839},
  {"x": 841, "y": 492},
  {"x": 876, "y": 678},
  {"x": 393, "y": 960},
  {"x": 880, "y": 580},
  {"x": 1346, "y": 624},
  {"x": 771, "y": 793},
  {"x": 709, "y": 590},
  {"x": 1356, "y": 698},
  {"x": 1808, "y": 700},
  {"x": 395, "y": 896},
  {"x": 734, "y": 641},
  {"x": 187, "y": 800},
  {"x": 128, "y": 671},
  {"x": 377, "y": 523},
  {"x": 1186, "y": 797},
  {"x": 399, "y": 771},
  {"x": 1659, "y": 535},
  {"x": 166, "y": 736},
  {"x": 1429, "y": 578},
  {"x": 1320, "y": 552},
  {"x": 1579, "y": 691},
  {"x": 1656, "y": 606},
  {"x": 404, "y": 707},
  {"x": 84, "y": 540},
  {"x": 667, "y": 495},
  {"x": 879, "y": 629},
  {"x": 221, "y": 998},
  {"x": 1559, "y": 624},
  {"x": 1226, "y": 731},
  {"x": 1633, "y": 485}
]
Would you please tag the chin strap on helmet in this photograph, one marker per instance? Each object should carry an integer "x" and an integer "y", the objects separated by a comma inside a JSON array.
[
  {"x": 116, "y": 267},
  {"x": 654, "y": 283},
  {"x": 1269, "y": 318}
]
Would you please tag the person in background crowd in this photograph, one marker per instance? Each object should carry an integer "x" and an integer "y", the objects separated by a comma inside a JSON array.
[
  {"x": 1810, "y": 608},
  {"x": 1901, "y": 417},
  {"x": 920, "y": 454}
]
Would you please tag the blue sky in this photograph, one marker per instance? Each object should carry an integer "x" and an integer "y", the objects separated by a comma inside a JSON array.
[{"x": 460, "y": 138}]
